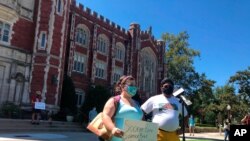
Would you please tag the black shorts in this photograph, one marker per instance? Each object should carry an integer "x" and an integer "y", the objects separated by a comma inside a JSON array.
[{"x": 38, "y": 111}]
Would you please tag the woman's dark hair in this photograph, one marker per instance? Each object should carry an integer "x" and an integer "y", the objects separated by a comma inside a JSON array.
[{"x": 120, "y": 83}]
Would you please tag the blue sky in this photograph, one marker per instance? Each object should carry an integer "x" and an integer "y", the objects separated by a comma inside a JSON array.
[{"x": 219, "y": 29}]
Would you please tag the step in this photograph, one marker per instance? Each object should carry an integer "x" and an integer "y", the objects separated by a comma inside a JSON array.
[{"x": 24, "y": 125}]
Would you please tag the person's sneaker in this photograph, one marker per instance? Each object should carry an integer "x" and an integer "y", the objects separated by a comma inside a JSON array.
[
  {"x": 37, "y": 123},
  {"x": 32, "y": 122}
]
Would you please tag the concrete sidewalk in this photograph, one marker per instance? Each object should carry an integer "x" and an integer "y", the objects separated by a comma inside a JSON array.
[
  {"x": 86, "y": 136},
  {"x": 216, "y": 136}
]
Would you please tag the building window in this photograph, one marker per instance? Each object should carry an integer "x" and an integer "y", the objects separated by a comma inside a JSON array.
[
  {"x": 42, "y": 40},
  {"x": 120, "y": 51},
  {"x": 102, "y": 45},
  {"x": 79, "y": 63},
  {"x": 100, "y": 70},
  {"x": 119, "y": 54},
  {"x": 118, "y": 72},
  {"x": 81, "y": 36},
  {"x": 116, "y": 77},
  {"x": 80, "y": 98},
  {"x": 147, "y": 84},
  {"x": 4, "y": 32},
  {"x": 59, "y": 8}
]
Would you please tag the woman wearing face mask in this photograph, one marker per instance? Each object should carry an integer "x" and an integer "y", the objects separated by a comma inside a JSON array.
[
  {"x": 166, "y": 109},
  {"x": 127, "y": 108}
]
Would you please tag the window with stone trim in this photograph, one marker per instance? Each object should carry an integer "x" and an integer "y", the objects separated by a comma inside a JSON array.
[
  {"x": 59, "y": 7},
  {"x": 118, "y": 72},
  {"x": 79, "y": 63},
  {"x": 116, "y": 77},
  {"x": 102, "y": 44},
  {"x": 100, "y": 71},
  {"x": 4, "y": 32},
  {"x": 81, "y": 36},
  {"x": 42, "y": 41},
  {"x": 120, "y": 51}
]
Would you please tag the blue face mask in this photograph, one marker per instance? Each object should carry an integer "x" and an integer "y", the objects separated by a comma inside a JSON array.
[{"x": 131, "y": 90}]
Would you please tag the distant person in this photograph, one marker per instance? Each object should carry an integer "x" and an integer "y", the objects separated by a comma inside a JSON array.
[
  {"x": 92, "y": 114},
  {"x": 191, "y": 124},
  {"x": 226, "y": 130},
  {"x": 35, "y": 112},
  {"x": 246, "y": 120},
  {"x": 165, "y": 110}
]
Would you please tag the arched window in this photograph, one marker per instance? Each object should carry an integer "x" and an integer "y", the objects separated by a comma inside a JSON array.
[
  {"x": 82, "y": 35},
  {"x": 120, "y": 51},
  {"x": 59, "y": 7},
  {"x": 102, "y": 44}
]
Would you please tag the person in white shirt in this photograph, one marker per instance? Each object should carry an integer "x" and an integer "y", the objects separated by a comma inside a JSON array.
[{"x": 165, "y": 110}]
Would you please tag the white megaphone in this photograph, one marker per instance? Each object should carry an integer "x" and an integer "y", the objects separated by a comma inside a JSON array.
[{"x": 182, "y": 97}]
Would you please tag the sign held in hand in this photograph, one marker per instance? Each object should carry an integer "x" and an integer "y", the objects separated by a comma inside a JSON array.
[
  {"x": 140, "y": 131},
  {"x": 40, "y": 105}
]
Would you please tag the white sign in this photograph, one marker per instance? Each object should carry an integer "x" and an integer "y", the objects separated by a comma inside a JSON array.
[
  {"x": 139, "y": 131},
  {"x": 40, "y": 105}
]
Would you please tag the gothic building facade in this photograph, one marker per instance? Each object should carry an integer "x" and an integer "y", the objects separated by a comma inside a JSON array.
[{"x": 43, "y": 40}]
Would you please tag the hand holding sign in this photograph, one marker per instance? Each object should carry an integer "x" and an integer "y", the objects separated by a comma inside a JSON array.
[{"x": 140, "y": 131}]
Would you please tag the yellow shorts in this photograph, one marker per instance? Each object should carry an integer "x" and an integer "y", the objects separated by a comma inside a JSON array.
[{"x": 167, "y": 136}]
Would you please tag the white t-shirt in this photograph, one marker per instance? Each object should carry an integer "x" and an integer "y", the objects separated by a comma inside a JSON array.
[{"x": 165, "y": 111}]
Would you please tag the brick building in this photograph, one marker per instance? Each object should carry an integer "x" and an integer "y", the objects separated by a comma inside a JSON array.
[{"x": 41, "y": 40}]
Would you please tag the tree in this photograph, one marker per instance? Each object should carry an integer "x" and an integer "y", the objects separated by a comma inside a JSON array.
[
  {"x": 179, "y": 60},
  {"x": 226, "y": 95},
  {"x": 68, "y": 99},
  {"x": 202, "y": 97},
  {"x": 242, "y": 82}
]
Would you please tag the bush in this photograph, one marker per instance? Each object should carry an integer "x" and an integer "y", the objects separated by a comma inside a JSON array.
[
  {"x": 10, "y": 110},
  {"x": 204, "y": 125}
]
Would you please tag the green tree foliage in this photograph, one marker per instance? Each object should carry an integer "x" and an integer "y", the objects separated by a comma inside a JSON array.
[
  {"x": 202, "y": 97},
  {"x": 226, "y": 96},
  {"x": 241, "y": 80},
  {"x": 180, "y": 59}
]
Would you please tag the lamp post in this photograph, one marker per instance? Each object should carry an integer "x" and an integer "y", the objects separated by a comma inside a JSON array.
[{"x": 228, "y": 113}]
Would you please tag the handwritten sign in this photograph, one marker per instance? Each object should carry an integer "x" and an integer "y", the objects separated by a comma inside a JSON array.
[
  {"x": 140, "y": 131},
  {"x": 40, "y": 105}
]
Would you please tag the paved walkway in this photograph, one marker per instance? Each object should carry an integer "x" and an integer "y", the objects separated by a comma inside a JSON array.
[
  {"x": 85, "y": 136},
  {"x": 213, "y": 136},
  {"x": 50, "y": 136}
]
